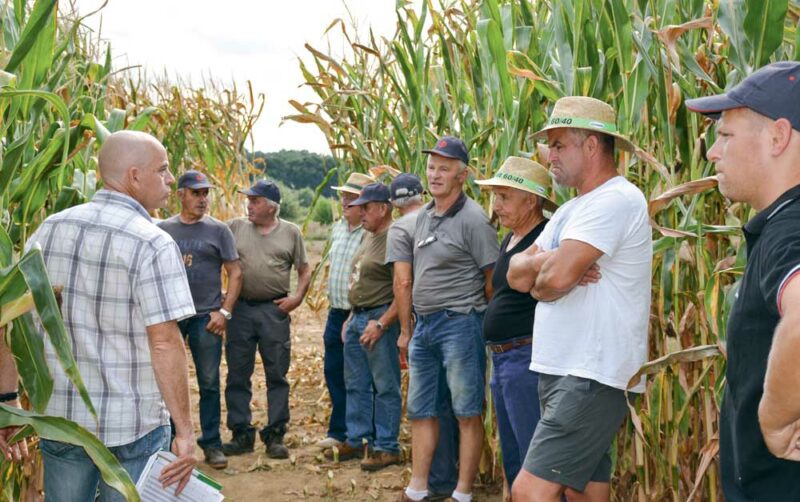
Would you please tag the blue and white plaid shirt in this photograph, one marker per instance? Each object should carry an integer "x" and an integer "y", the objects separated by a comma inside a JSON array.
[
  {"x": 344, "y": 244},
  {"x": 120, "y": 273}
]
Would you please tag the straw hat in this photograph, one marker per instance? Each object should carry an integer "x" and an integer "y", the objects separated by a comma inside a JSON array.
[
  {"x": 579, "y": 112},
  {"x": 525, "y": 175},
  {"x": 355, "y": 183}
]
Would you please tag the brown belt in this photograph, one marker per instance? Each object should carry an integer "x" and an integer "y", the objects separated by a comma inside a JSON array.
[{"x": 499, "y": 348}]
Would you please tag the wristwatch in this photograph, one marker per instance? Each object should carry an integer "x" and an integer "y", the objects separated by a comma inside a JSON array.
[
  {"x": 380, "y": 325},
  {"x": 227, "y": 315}
]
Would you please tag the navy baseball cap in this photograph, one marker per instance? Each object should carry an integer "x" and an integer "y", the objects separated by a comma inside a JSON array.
[
  {"x": 194, "y": 180},
  {"x": 772, "y": 91},
  {"x": 405, "y": 185},
  {"x": 450, "y": 147},
  {"x": 264, "y": 188},
  {"x": 374, "y": 192}
]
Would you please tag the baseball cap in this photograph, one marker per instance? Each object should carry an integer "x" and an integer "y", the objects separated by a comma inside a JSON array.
[
  {"x": 264, "y": 188},
  {"x": 374, "y": 192},
  {"x": 194, "y": 180},
  {"x": 405, "y": 185},
  {"x": 450, "y": 147},
  {"x": 772, "y": 91}
]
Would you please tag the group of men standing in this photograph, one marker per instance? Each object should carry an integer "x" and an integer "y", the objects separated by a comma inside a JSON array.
[{"x": 436, "y": 287}]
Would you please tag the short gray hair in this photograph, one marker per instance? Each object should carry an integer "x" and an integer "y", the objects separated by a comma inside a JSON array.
[
  {"x": 274, "y": 204},
  {"x": 401, "y": 202}
]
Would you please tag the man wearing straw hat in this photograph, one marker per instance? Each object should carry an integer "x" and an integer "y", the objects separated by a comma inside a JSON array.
[
  {"x": 589, "y": 340},
  {"x": 454, "y": 253},
  {"x": 521, "y": 191},
  {"x": 757, "y": 158},
  {"x": 346, "y": 235}
]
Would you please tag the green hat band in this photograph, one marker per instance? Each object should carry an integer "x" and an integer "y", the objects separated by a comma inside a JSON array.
[
  {"x": 354, "y": 186},
  {"x": 582, "y": 123},
  {"x": 522, "y": 181}
]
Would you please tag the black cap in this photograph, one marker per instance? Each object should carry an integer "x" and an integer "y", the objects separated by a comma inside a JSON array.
[
  {"x": 406, "y": 185},
  {"x": 772, "y": 91},
  {"x": 194, "y": 180},
  {"x": 374, "y": 192},
  {"x": 450, "y": 147},
  {"x": 264, "y": 188}
]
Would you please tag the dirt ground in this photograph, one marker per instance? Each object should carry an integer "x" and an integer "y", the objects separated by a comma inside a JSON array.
[{"x": 306, "y": 475}]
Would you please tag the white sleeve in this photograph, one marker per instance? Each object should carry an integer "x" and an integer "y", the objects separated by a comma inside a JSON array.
[{"x": 603, "y": 223}]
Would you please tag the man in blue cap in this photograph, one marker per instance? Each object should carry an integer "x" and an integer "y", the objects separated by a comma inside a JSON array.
[
  {"x": 207, "y": 247},
  {"x": 268, "y": 247},
  {"x": 406, "y": 193},
  {"x": 757, "y": 159},
  {"x": 455, "y": 248},
  {"x": 371, "y": 359}
]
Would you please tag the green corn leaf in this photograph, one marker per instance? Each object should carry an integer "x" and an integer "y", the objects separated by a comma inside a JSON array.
[
  {"x": 28, "y": 349},
  {"x": 763, "y": 26}
]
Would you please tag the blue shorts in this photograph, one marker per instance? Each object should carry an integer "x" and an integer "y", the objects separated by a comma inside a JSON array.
[{"x": 451, "y": 342}]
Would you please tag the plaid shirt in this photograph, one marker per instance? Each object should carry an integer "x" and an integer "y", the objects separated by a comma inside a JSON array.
[
  {"x": 120, "y": 273},
  {"x": 344, "y": 244}
]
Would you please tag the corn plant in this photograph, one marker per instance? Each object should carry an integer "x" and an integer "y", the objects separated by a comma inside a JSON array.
[{"x": 489, "y": 71}]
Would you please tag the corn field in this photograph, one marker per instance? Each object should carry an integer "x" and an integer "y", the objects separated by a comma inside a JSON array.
[
  {"x": 489, "y": 71},
  {"x": 59, "y": 100}
]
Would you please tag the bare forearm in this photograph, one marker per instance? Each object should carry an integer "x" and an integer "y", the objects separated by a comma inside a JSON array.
[
  {"x": 780, "y": 404},
  {"x": 169, "y": 365},
  {"x": 234, "y": 272},
  {"x": 390, "y": 315},
  {"x": 303, "y": 281},
  {"x": 402, "y": 300},
  {"x": 8, "y": 368},
  {"x": 550, "y": 285}
]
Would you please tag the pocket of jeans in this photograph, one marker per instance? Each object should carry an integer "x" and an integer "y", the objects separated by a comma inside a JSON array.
[
  {"x": 452, "y": 314},
  {"x": 55, "y": 448}
]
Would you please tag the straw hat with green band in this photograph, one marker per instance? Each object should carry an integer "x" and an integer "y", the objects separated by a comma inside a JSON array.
[
  {"x": 355, "y": 183},
  {"x": 579, "y": 112},
  {"x": 525, "y": 175}
]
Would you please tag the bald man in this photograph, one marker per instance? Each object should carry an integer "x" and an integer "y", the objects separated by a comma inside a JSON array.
[{"x": 125, "y": 288}]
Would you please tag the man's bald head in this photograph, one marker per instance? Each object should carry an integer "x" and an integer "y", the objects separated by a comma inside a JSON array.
[
  {"x": 135, "y": 163},
  {"x": 123, "y": 150}
]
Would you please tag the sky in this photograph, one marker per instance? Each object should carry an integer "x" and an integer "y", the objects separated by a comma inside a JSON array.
[{"x": 235, "y": 41}]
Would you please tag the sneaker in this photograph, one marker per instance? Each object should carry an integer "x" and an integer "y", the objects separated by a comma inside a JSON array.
[
  {"x": 380, "y": 460},
  {"x": 324, "y": 444},
  {"x": 215, "y": 458},
  {"x": 346, "y": 452},
  {"x": 242, "y": 442},
  {"x": 405, "y": 498}
]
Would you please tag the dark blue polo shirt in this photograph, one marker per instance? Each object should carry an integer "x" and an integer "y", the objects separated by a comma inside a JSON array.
[{"x": 749, "y": 471}]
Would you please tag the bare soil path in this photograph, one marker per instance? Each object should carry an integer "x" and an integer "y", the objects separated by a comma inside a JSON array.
[{"x": 306, "y": 475}]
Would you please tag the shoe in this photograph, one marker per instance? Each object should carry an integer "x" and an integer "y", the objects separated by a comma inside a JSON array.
[
  {"x": 380, "y": 460},
  {"x": 324, "y": 444},
  {"x": 439, "y": 497},
  {"x": 215, "y": 458},
  {"x": 346, "y": 452},
  {"x": 405, "y": 498},
  {"x": 242, "y": 442},
  {"x": 273, "y": 439}
]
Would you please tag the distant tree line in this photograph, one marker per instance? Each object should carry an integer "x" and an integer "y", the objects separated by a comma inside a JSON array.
[{"x": 296, "y": 169}]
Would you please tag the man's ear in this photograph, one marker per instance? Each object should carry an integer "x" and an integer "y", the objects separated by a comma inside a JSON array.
[{"x": 780, "y": 132}]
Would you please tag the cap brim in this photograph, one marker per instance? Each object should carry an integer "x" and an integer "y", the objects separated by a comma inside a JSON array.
[
  {"x": 251, "y": 193},
  {"x": 492, "y": 182},
  {"x": 441, "y": 154},
  {"x": 712, "y": 106},
  {"x": 197, "y": 186}
]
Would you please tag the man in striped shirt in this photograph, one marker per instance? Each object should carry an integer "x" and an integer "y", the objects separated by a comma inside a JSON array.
[{"x": 125, "y": 288}]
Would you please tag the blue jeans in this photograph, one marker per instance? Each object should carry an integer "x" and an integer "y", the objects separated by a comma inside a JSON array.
[
  {"x": 206, "y": 351},
  {"x": 372, "y": 378},
  {"x": 443, "y": 475},
  {"x": 516, "y": 401},
  {"x": 451, "y": 343},
  {"x": 334, "y": 372},
  {"x": 71, "y": 476}
]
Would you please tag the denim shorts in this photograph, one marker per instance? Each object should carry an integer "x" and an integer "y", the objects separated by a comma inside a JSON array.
[{"x": 449, "y": 342}]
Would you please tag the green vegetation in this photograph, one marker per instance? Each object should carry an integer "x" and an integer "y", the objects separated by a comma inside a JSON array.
[{"x": 489, "y": 71}]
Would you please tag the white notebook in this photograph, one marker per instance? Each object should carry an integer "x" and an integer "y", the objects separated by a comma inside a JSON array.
[{"x": 200, "y": 488}]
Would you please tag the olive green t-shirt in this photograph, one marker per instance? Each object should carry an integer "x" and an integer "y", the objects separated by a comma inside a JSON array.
[
  {"x": 371, "y": 280},
  {"x": 267, "y": 259}
]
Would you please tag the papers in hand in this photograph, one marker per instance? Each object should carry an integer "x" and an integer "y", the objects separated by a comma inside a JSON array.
[{"x": 200, "y": 488}]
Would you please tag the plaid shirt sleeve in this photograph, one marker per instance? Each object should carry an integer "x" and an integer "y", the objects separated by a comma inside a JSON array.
[{"x": 161, "y": 289}]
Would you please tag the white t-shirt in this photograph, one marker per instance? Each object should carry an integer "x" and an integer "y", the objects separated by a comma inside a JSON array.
[{"x": 599, "y": 331}]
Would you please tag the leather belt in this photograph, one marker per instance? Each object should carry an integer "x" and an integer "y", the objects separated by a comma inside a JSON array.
[
  {"x": 499, "y": 348},
  {"x": 254, "y": 301}
]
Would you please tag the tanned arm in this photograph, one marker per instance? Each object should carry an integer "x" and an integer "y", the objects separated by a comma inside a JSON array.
[
  {"x": 291, "y": 302},
  {"x": 564, "y": 269},
  {"x": 217, "y": 323},
  {"x": 402, "y": 284}
]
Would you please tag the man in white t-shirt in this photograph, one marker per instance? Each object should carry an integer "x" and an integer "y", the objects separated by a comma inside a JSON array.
[{"x": 590, "y": 270}]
